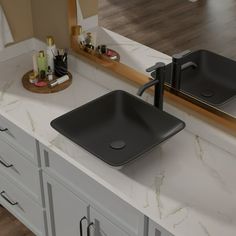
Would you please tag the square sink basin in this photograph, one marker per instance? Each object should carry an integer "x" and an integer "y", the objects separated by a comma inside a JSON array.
[
  {"x": 213, "y": 81},
  {"x": 117, "y": 127}
]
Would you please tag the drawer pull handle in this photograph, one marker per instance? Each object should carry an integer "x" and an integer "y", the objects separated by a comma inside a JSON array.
[
  {"x": 3, "y": 194},
  {"x": 5, "y": 164},
  {"x": 88, "y": 228},
  {"x": 81, "y": 225},
  {"x": 3, "y": 130}
]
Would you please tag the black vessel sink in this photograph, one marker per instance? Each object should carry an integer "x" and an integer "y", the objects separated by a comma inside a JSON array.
[
  {"x": 117, "y": 127},
  {"x": 213, "y": 81}
]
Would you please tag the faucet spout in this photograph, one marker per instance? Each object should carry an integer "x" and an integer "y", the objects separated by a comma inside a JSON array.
[
  {"x": 188, "y": 65},
  {"x": 158, "y": 82},
  {"x": 146, "y": 86}
]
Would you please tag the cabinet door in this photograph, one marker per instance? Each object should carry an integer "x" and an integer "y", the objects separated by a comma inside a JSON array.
[
  {"x": 64, "y": 209},
  {"x": 156, "y": 230},
  {"x": 101, "y": 226}
]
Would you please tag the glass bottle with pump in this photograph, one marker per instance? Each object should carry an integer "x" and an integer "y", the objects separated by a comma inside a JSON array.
[{"x": 51, "y": 52}]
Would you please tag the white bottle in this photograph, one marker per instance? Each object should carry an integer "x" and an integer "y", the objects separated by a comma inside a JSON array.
[
  {"x": 59, "y": 81},
  {"x": 63, "y": 79},
  {"x": 35, "y": 64},
  {"x": 51, "y": 52}
]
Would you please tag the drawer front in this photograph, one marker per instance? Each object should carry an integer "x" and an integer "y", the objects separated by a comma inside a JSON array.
[
  {"x": 18, "y": 139},
  {"x": 21, "y": 170},
  {"x": 126, "y": 217},
  {"x": 21, "y": 206}
]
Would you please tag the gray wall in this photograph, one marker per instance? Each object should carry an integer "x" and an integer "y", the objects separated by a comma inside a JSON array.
[
  {"x": 19, "y": 16},
  {"x": 40, "y": 18}
]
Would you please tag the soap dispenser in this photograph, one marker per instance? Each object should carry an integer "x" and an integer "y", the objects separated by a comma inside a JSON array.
[{"x": 51, "y": 52}]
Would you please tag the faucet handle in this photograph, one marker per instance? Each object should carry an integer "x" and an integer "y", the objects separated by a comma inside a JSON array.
[
  {"x": 156, "y": 66},
  {"x": 181, "y": 54}
]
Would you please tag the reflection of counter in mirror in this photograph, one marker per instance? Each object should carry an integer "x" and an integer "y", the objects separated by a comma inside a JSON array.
[
  {"x": 170, "y": 27},
  {"x": 138, "y": 57}
]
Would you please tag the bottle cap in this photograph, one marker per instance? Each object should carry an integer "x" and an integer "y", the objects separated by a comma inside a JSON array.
[
  {"x": 50, "y": 41},
  {"x": 33, "y": 78},
  {"x": 41, "y": 53}
]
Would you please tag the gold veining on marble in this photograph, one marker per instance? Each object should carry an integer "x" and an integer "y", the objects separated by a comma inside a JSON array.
[
  {"x": 159, "y": 179},
  {"x": 205, "y": 230},
  {"x": 31, "y": 121},
  {"x": 212, "y": 172}
]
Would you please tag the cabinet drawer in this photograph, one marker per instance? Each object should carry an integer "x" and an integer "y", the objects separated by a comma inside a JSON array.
[
  {"x": 21, "y": 170},
  {"x": 17, "y": 138},
  {"x": 127, "y": 217},
  {"x": 21, "y": 206}
]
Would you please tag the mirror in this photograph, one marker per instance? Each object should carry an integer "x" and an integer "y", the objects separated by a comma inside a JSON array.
[{"x": 146, "y": 32}]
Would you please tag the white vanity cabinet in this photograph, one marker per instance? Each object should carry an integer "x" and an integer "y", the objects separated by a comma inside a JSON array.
[
  {"x": 71, "y": 195},
  {"x": 156, "y": 230},
  {"x": 20, "y": 177}
]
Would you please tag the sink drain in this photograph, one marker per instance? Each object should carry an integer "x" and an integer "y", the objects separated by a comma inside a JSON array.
[
  {"x": 117, "y": 145},
  {"x": 207, "y": 93}
]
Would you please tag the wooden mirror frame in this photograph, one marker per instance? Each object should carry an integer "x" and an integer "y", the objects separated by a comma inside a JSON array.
[{"x": 200, "y": 110}]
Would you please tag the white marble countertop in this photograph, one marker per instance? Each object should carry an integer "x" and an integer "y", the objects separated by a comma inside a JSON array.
[{"x": 187, "y": 185}]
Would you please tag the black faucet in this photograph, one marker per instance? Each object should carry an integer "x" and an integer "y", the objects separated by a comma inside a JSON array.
[
  {"x": 158, "y": 81},
  {"x": 180, "y": 63}
]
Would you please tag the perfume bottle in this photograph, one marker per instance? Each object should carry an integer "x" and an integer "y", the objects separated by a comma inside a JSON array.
[
  {"x": 89, "y": 41},
  {"x": 50, "y": 74}
]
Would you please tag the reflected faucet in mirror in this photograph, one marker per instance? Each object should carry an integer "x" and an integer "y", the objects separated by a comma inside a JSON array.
[{"x": 179, "y": 64}]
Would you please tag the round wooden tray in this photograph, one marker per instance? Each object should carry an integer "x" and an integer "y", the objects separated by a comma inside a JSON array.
[{"x": 32, "y": 88}]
